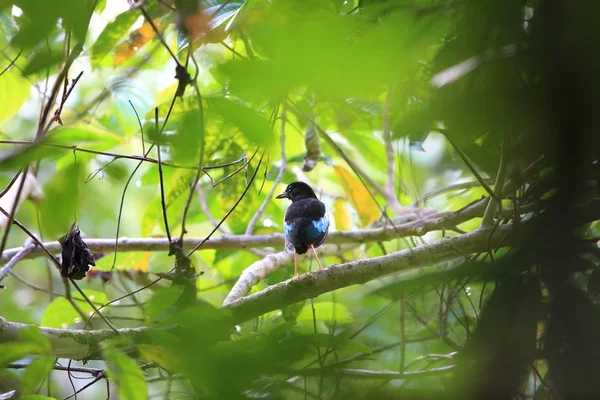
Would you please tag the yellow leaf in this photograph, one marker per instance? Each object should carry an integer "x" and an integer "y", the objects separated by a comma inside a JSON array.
[
  {"x": 343, "y": 219},
  {"x": 358, "y": 196},
  {"x": 141, "y": 264}
]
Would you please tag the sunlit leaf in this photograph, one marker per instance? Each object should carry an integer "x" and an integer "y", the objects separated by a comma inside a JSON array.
[
  {"x": 61, "y": 314},
  {"x": 343, "y": 219},
  {"x": 131, "y": 261},
  {"x": 358, "y": 195},
  {"x": 11, "y": 82}
]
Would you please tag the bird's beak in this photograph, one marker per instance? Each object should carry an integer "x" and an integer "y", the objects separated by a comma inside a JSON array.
[{"x": 283, "y": 195}]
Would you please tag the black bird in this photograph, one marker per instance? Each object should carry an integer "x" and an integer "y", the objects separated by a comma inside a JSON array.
[{"x": 306, "y": 223}]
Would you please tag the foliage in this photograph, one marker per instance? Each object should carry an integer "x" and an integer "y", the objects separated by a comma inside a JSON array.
[{"x": 181, "y": 119}]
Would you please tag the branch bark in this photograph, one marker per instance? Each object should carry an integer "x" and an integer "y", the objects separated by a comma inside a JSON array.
[
  {"x": 361, "y": 271},
  {"x": 433, "y": 222}
]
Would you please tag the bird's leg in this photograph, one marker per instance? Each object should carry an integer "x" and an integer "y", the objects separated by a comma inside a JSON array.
[
  {"x": 318, "y": 261},
  {"x": 295, "y": 264}
]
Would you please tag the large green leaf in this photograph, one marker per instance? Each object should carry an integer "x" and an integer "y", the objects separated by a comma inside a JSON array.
[
  {"x": 61, "y": 314},
  {"x": 36, "y": 372},
  {"x": 42, "y": 60},
  {"x": 255, "y": 127},
  {"x": 125, "y": 372},
  {"x": 162, "y": 301}
]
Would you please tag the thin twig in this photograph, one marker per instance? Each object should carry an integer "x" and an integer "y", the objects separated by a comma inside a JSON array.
[
  {"x": 81, "y": 292},
  {"x": 65, "y": 97},
  {"x": 494, "y": 202},
  {"x": 163, "y": 203},
  {"x": 148, "y": 19},
  {"x": 114, "y": 155},
  {"x": 450, "y": 188},
  {"x": 470, "y": 166},
  {"x": 92, "y": 371},
  {"x": 11, "y": 63},
  {"x": 16, "y": 258},
  {"x": 200, "y": 158},
  {"x": 282, "y": 169},
  {"x": 232, "y": 208}
]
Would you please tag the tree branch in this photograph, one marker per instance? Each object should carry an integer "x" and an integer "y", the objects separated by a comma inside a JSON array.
[
  {"x": 78, "y": 344},
  {"x": 433, "y": 222},
  {"x": 361, "y": 271},
  {"x": 75, "y": 344},
  {"x": 261, "y": 269}
]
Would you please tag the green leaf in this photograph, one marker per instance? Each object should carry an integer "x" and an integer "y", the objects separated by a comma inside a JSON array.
[
  {"x": 61, "y": 314},
  {"x": 14, "y": 351},
  {"x": 31, "y": 342},
  {"x": 41, "y": 61},
  {"x": 125, "y": 372},
  {"x": 36, "y": 372},
  {"x": 326, "y": 311},
  {"x": 256, "y": 128},
  {"x": 162, "y": 301},
  {"x": 188, "y": 138},
  {"x": 12, "y": 82},
  {"x": 36, "y": 397}
]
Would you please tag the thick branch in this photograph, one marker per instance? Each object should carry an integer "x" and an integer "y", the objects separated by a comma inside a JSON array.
[
  {"x": 361, "y": 271},
  {"x": 75, "y": 344},
  {"x": 266, "y": 266}
]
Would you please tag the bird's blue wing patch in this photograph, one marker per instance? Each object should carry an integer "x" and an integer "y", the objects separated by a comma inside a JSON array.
[
  {"x": 287, "y": 229},
  {"x": 322, "y": 224},
  {"x": 290, "y": 236},
  {"x": 317, "y": 229}
]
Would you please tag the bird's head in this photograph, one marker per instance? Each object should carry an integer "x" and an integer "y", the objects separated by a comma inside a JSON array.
[{"x": 296, "y": 191}]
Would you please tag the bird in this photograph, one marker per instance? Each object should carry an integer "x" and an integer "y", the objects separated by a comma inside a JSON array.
[{"x": 306, "y": 223}]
